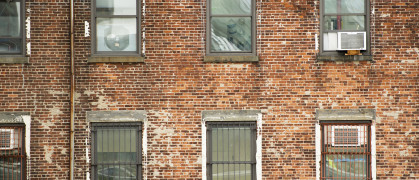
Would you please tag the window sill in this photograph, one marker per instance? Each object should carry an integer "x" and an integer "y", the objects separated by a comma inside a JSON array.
[
  {"x": 115, "y": 59},
  {"x": 231, "y": 59},
  {"x": 14, "y": 60},
  {"x": 344, "y": 58}
]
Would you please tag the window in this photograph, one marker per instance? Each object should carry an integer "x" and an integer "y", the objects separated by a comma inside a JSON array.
[
  {"x": 12, "y": 150},
  {"x": 116, "y": 27},
  {"x": 231, "y": 27},
  {"x": 346, "y": 150},
  {"x": 231, "y": 150},
  {"x": 116, "y": 151},
  {"x": 11, "y": 27},
  {"x": 344, "y": 26}
]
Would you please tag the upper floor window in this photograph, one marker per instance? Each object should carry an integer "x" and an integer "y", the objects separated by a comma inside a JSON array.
[
  {"x": 231, "y": 27},
  {"x": 12, "y": 14},
  {"x": 116, "y": 27},
  {"x": 344, "y": 26}
]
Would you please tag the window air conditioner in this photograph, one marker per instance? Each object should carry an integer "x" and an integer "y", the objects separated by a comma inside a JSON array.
[
  {"x": 7, "y": 139},
  {"x": 352, "y": 41},
  {"x": 347, "y": 136}
]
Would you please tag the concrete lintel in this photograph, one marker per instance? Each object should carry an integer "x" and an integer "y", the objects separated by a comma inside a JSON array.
[
  {"x": 14, "y": 60},
  {"x": 117, "y": 59},
  {"x": 231, "y": 59},
  {"x": 117, "y": 116},
  {"x": 345, "y": 114},
  {"x": 231, "y": 115},
  {"x": 13, "y": 117},
  {"x": 345, "y": 58}
]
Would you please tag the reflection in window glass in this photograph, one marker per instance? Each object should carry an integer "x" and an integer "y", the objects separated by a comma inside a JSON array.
[
  {"x": 10, "y": 27},
  {"x": 344, "y": 6},
  {"x": 116, "y": 7},
  {"x": 231, "y": 34},
  {"x": 223, "y": 7},
  {"x": 344, "y": 22}
]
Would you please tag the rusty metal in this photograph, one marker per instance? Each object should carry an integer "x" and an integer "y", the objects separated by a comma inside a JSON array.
[
  {"x": 346, "y": 151},
  {"x": 72, "y": 89},
  {"x": 12, "y": 153}
]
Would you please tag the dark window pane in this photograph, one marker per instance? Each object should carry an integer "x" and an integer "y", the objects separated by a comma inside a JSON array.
[
  {"x": 344, "y": 22},
  {"x": 116, "y": 7},
  {"x": 116, "y": 34},
  {"x": 231, "y": 34},
  {"x": 10, "y": 19},
  {"x": 8, "y": 45},
  {"x": 116, "y": 145},
  {"x": 228, "y": 7}
]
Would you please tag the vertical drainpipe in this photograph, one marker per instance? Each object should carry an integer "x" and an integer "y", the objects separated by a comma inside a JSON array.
[{"x": 72, "y": 90}]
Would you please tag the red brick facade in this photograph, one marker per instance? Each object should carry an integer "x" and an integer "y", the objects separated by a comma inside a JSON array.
[{"x": 173, "y": 85}]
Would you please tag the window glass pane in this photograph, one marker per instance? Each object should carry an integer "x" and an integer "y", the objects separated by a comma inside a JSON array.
[
  {"x": 116, "y": 7},
  {"x": 127, "y": 172},
  {"x": 231, "y": 7},
  {"x": 344, "y": 22},
  {"x": 232, "y": 171},
  {"x": 231, "y": 34},
  {"x": 116, "y": 34},
  {"x": 10, "y": 19},
  {"x": 116, "y": 145},
  {"x": 8, "y": 45},
  {"x": 330, "y": 42},
  {"x": 346, "y": 165},
  {"x": 344, "y": 6},
  {"x": 231, "y": 144}
]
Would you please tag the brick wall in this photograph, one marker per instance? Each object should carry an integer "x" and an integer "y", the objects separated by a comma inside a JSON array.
[{"x": 174, "y": 86}]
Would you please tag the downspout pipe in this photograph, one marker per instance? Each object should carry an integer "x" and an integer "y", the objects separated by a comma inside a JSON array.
[{"x": 72, "y": 89}]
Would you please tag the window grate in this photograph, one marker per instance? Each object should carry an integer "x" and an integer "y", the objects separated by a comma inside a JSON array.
[
  {"x": 116, "y": 151},
  {"x": 231, "y": 150},
  {"x": 346, "y": 151},
  {"x": 12, "y": 153}
]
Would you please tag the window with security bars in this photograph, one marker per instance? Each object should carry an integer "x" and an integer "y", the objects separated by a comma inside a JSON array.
[
  {"x": 346, "y": 150},
  {"x": 12, "y": 153},
  {"x": 231, "y": 150},
  {"x": 116, "y": 151}
]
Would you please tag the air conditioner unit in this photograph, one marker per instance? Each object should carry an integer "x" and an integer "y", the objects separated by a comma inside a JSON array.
[
  {"x": 347, "y": 136},
  {"x": 352, "y": 40},
  {"x": 7, "y": 139}
]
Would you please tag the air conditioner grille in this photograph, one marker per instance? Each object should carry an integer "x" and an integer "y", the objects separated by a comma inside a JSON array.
[
  {"x": 346, "y": 136},
  {"x": 5, "y": 139}
]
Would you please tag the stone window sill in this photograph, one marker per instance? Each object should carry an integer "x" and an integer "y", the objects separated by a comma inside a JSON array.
[
  {"x": 115, "y": 59},
  {"x": 14, "y": 60},
  {"x": 344, "y": 58},
  {"x": 231, "y": 59}
]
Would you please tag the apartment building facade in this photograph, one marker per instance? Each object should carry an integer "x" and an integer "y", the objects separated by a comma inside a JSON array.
[{"x": 209, "y": 89}]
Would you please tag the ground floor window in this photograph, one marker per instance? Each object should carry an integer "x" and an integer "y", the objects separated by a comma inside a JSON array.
[
  {"x": 116, "y": 151},
  {"x": 231, "y": 150},
  {"x": 12, "y": 152},
  {"x": 346, "y": 150}
]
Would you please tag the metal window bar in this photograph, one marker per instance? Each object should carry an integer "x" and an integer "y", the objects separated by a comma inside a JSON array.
[
  {"x": 116, "y": 151},
  {"x": 12, "y": 153},
  {"x": 231, "y": 150},
  {"x": 346, "y": 151}
]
